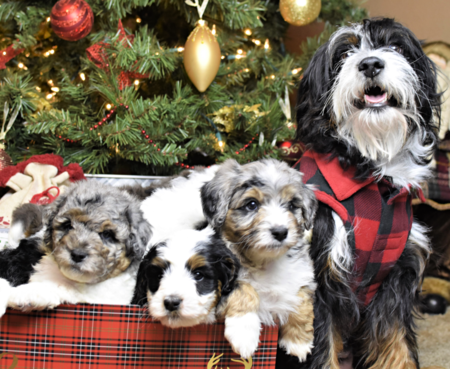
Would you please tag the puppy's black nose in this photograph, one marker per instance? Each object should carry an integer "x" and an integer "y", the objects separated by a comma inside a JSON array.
[
  {"x": 371, "y": 66},
  {"x": 78, "y": 255},
  {"x": 172, "y": 303},
  {"x": 279, "y": 233}
]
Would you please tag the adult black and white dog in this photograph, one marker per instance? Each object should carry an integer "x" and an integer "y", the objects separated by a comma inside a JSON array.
[{"x": 368, "y": 111}]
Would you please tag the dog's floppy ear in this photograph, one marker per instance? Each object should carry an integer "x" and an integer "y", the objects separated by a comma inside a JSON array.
[
  {"x": 142, "y": 282},
  {"x": 140, "y": 232},
  {"x": 309, "y": 206},
  {"x": 216, "y": 194},
  {"x": 227, "y": 265},
  {"x": 312, "y": 92},
  {"x": 49, "y": 214}
]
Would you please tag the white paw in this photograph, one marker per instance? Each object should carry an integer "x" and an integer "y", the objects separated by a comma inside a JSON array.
[
  {"x": 301, "y": 350},
  {"x": 242, "y": 333},
  {"x": 5, "y": 290},
  {"x": 34, "y": 296}
]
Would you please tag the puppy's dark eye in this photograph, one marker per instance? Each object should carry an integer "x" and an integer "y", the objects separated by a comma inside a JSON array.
[
  {"x": 251, "y": 205},
  {"x": 396, "y": 48},
  {"x": 107, "y": 236},
  {"x": 198, "y": 276},
  {"x": 293, "y": 206},
  {"x": 66, "y": 226}
]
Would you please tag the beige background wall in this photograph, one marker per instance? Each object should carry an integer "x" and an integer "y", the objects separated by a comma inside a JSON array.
[{"x": 428, "y": 19}]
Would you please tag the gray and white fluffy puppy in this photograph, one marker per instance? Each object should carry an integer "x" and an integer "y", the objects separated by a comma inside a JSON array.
[
  {"x": 86, "y": 249},
  {"x": 264, "y": 212}
]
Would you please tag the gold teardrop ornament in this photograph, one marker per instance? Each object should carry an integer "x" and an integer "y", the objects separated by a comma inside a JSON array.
[{"x": 201, "y": 56}]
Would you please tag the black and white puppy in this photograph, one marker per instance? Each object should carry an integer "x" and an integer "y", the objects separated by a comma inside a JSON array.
[
  {"x": 88, "y": 249},
  {"x": 368, "y": 109},
  {"x": 185, "y": 279}
]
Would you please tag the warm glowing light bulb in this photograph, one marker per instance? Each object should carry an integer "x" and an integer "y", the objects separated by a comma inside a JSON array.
[
  {"x": 248, "y": 32},
  {"x": 201, "y": 22},
  {"x": 180, "y": 49},
  {"x": 246, "y": 70},
  {"x": 239, "y": 51},
  {"x": 38, "y": 88},
  {"x": 272, "y": 76},
  {"x": 266, "y": 44},
  {"x": 20, "y": 65},
  {"x": 239, "y": 56},
  {"x": 49, "y": 96},
  {"x": 138, "y": 20},
  {"x": 82, "y": 76},
  {"x": 295, "y": 71},
  {"x": 136, "y": 82},
  {"x": 256, "y": 42},
  {"x": 47, "y": 53},
  {"x": 48, "y": 19},
  {"x": 52, "y": 51},
  {"x": 213, "y": 31},
  {"x": 4, "y": 52},
  {"x": 221, "y": 143},
  {"x": 108, "y": 106},
  {"x": 50, "y": 82},
  {"x": 222, "y": 57},
  {"x": 55, "y": 89}
]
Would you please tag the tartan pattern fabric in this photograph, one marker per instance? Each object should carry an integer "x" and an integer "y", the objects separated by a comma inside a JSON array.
[
  {"x": 110, "y": 336},
  {"x": 438, "y": 187},
  {"x": 377, "y": 217}
]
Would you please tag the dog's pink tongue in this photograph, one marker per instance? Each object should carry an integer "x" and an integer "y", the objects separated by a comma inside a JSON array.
[{"x": 375, "y": 99}]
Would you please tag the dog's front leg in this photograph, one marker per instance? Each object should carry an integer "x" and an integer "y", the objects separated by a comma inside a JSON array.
[
  {"x": 297, "y": 334},
  {"x": 386, "y": 333},
  {"x": 326, "y": 346},
  {"x": 242, "y": 323},
  {"x": 39, "y": 296}
]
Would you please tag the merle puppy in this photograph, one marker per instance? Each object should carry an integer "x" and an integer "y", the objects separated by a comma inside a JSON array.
[{"x": 368, "y": 110}]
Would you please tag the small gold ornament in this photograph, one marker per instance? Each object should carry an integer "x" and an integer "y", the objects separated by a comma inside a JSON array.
[
  {"x": 201, "y": 56},
  {"x": 300, "y": 12},
  {"x": 225, "y": 118}
]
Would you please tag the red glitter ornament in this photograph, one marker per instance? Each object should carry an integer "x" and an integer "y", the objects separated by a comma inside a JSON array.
[{"x": 71, "y": 20}]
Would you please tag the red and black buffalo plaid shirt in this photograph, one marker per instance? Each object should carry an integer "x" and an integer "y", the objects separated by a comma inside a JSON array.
[{"x": 376, "y": 214}]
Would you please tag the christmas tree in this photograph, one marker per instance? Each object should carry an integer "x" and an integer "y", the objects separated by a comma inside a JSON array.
[{"x": 119, "y": 99}]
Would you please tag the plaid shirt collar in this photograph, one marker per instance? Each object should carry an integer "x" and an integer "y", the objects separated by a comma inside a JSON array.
[{"x": 343, "y": 182}]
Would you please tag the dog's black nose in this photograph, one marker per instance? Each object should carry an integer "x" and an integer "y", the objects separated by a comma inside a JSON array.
[
  {"x": 371, "y": 66},
  {"x": 78, "y": 255},
  {"x": 172, "y": 303},
  {"x": 279, "y": 233}
]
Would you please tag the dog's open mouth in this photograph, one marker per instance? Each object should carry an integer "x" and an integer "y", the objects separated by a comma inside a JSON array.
[{"x": 375, "y": 97}]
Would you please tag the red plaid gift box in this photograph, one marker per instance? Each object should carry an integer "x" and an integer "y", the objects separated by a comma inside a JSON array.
[{"x": 110, "y": 336}]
